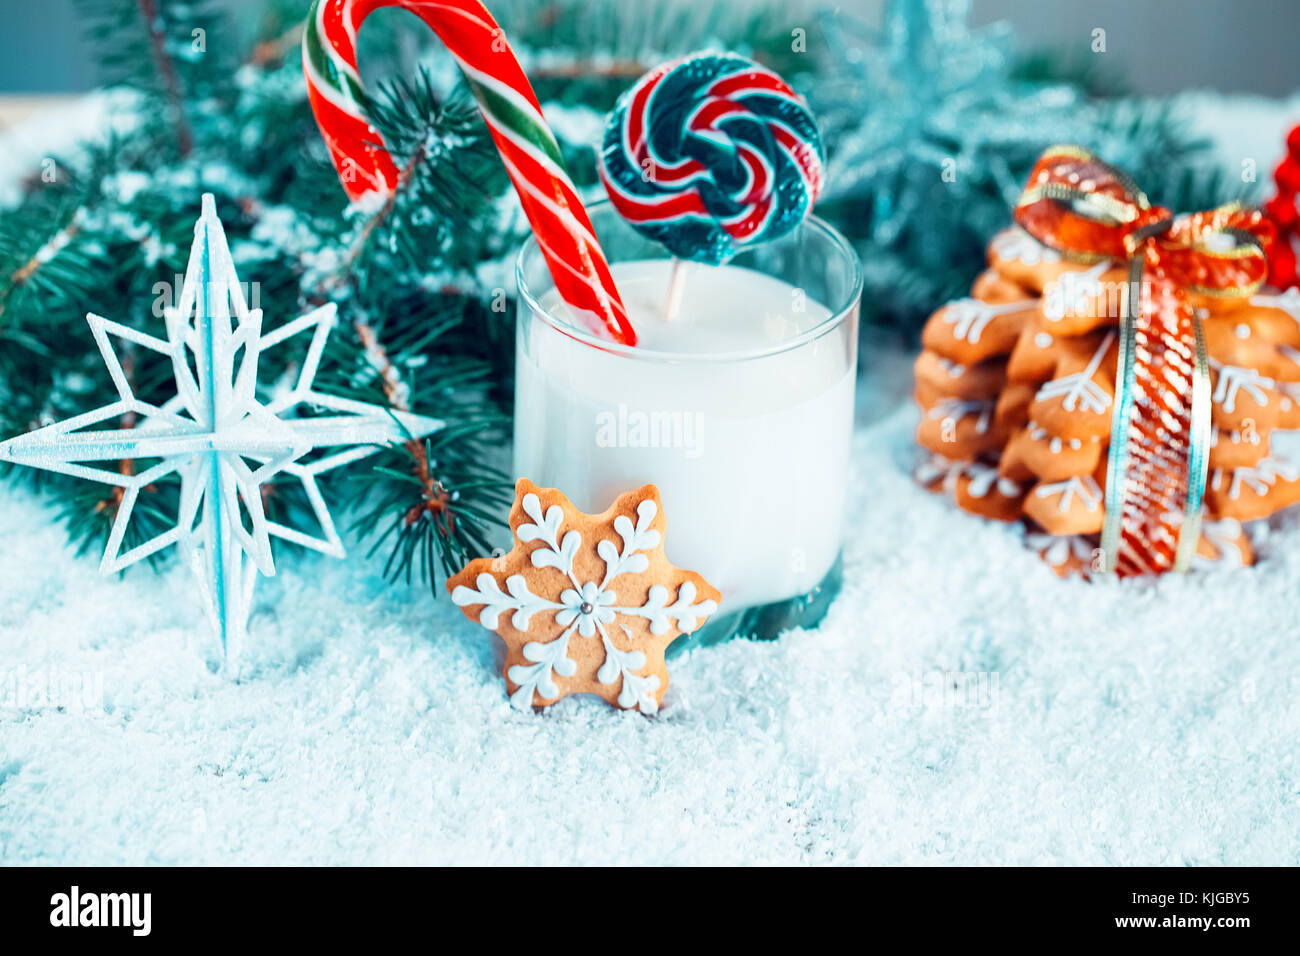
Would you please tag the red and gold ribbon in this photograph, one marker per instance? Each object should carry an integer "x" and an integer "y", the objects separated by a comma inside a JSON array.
[{"x": 1155, "y": 480}]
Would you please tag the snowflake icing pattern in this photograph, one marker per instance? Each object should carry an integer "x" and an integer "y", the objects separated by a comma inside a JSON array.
[{"x": 590, "y": 609}]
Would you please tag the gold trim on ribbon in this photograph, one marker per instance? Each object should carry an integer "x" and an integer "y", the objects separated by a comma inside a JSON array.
[
  {"x": 1088, "y": 156},
  {"x": 1104, "y": 209},
  {"x": 1248, "y": 246},
  {"x": 1121, "y": 415},
  {"x": 1198, "y": 456}
]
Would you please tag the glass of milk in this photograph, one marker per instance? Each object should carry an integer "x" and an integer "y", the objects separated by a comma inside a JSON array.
[{"x": 739, "y": 408}]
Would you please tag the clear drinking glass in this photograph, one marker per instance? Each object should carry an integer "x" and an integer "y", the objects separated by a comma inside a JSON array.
[{"x": 749, "y": 448}]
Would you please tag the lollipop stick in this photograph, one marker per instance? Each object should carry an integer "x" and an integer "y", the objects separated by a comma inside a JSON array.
[{"x": 676, "y": 289}]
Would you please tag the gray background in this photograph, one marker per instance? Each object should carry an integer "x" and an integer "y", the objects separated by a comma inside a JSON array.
[{"x": 1153, "y": 46}]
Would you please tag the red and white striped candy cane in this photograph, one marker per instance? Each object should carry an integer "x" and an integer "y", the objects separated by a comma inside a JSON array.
[{"x": 514, "y": 118}]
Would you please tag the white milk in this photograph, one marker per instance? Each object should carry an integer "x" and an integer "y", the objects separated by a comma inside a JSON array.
[{"x": 751, "y": 456}]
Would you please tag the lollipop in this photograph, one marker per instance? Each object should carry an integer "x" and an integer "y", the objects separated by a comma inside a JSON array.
[
  {"x": 514, "y": 118},
  {"x": 711, "y": 153}
]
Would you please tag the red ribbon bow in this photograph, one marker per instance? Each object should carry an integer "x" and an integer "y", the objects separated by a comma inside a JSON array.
[{"x": 1089, "y": 211}]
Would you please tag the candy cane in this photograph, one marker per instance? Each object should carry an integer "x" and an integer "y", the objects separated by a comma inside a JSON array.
[{"x": 514, "y": 118}]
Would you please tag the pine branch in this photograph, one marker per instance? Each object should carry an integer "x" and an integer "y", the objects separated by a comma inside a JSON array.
[
  {"x": 922, "y": 179},
  {"x": 275, "y": 50},
  {"x": 166, "y": 69},
  {"x": 51, "y": 248},
  {"x": 451, "y": 178},
  {"x": 437, "y": 500},
  {"x": 168, "y": 49}
]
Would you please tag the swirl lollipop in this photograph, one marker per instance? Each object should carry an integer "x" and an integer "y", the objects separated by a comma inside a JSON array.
[{"x": 711, "y": 153}]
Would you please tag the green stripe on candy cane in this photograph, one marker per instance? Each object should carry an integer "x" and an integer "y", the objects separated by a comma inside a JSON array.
[
  {"x": 342, "y": 82},
  {"x": 527, "y": 147},
  {"x": 519, "y": 122}
]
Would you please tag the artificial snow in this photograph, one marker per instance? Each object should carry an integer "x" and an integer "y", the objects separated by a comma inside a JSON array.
[{"x": 960, "y": 705}]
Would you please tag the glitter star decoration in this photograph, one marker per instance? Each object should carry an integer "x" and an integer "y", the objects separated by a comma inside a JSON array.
[{"x": 215, "y": 434}]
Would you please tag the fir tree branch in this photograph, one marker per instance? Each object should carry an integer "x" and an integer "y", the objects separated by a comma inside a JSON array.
[
  {"x": 630, "y": 70},
  {"x": 167, "y": 71},
  {"x": 275, "y": 50},
  {"x": 436, "y": 498},
  {"x": 171, "y": 50},
  {"x": 52, "y": 247}
]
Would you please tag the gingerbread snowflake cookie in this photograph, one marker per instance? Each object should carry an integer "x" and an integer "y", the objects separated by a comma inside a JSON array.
[{"x": 585, "y": 603}]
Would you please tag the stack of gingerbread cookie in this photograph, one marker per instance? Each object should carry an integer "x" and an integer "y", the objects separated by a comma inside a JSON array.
[{"x": 1017, "y": 382}]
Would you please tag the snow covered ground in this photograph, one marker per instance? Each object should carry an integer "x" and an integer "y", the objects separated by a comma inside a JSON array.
[{"x": 961, "y": 705}]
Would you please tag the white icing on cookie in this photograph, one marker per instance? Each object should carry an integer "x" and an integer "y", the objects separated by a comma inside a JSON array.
[
  {"x": 1235, "y": 437},
  {"x": 1074, "y": 293},
  {"x": 1288, "y": 302},
  {"x": 1259, "y": 479},
  {"x": 953, "y": 410},
  {"x": 1056, "y": 549},
  {"x": 983, "y": 478},
  {"x": 1223, "y": 536},
  {"x": 969, "y": 317},
  {"x": 1083, "y": 487},
  {"x": 937, "y": 467},
  {"x": 1079, "y": 388},
  {"x": 1016, "y": 245},
  {"x": 1232, "y": 379}
]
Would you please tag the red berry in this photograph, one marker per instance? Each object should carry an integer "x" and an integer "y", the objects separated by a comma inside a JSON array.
[
  {"x": 1282, "y": 210},
  {"x": 1287, "y": 175},
  {"x": 1281, "y": 266},
  {"x": 1293, "y": 141}
]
